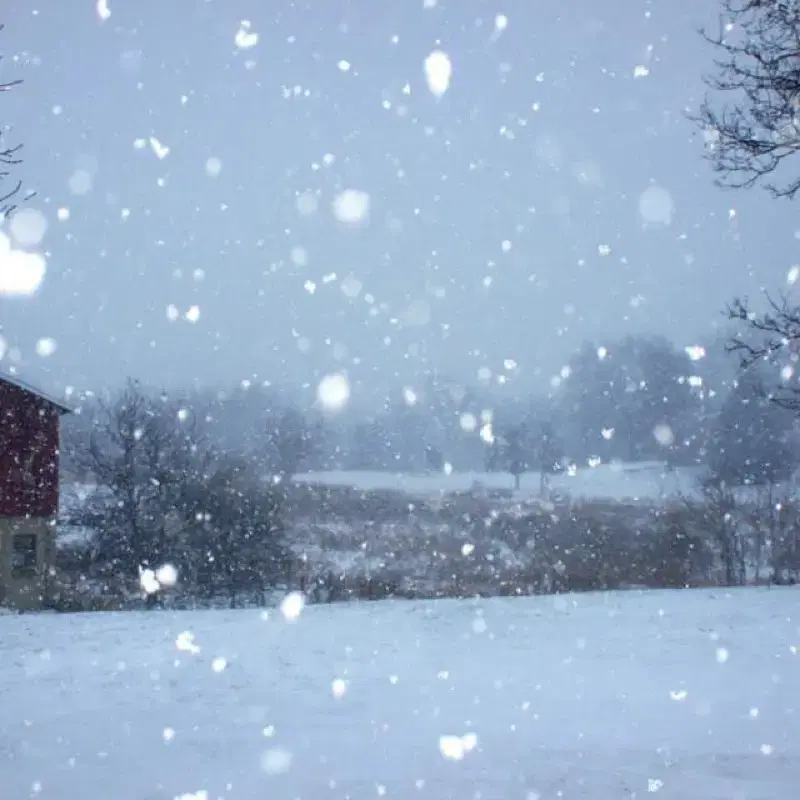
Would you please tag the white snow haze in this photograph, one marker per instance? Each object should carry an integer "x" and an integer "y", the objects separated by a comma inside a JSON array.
[
  {"x": 394, "y": 405},
  {"x": 218, "y": 138}
]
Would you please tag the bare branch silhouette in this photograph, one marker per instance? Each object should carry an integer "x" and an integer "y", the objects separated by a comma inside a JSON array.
[
  {"x": 9, "y": 157},
  {"x": 751, "y": 118}
]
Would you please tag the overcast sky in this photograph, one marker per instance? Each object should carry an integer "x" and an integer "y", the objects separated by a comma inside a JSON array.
[{"x": 553, "y": 193}]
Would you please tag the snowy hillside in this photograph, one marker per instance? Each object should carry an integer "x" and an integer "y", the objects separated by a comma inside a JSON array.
[
  {"x": 645, "y": 481},
  {"x": 690, "y": 695}
]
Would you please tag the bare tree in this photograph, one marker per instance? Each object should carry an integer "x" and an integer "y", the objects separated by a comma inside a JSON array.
[
  {"x": 750, "y": 140},
  {"x": 784, "y": 533},
  {"x": 291, "y": 440},
  {"x": 773, "y": 520},
  {"x": 717, "y": 512},
  {"x": 9, "y": 157},
  {"x": 232, "y": 534},
  {"x": 164, "y": 495},
  {"x": 771, "y": 339},
  {"x": 141, "y": 451},
  {"x": 509, "y": 451},
  {"x": 549, "y": 455},
  {"x": 752, "y": 442},
  {"x": 752, "y": 122}
]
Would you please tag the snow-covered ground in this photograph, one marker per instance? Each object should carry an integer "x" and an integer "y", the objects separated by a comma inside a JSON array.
[
  {"x": 644, "y": 481},
  {"x": 684, "y": 695}
]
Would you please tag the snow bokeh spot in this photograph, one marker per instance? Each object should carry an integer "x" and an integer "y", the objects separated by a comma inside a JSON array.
[
  {"x": 276, "y": 761},
  {"x": 333, "y": 392},
  {"x": 468, "y": 422},
  {"x": 102, "y": 9},
  {"x": 46, "y": 346},
  {"x": 338, "y": 688},
  {"x": 663, "y": 435},
  {"x": 245, "y": 37},
  {"x": 656, "y": 207},
  {"x": 351, "y": 207},
  {"x": 307, "y": 203},
  {"x": 80, "y": 182},
  {"x": 438, "y": 72},
  {"x": 695, "y": 352},
  {"x": 152, "y": 581},
  {"x": 160, "y": 150},
  {"x": 148, "y": 582},
  {"x": 167, "y": 574},
  {"x": 409, "y": 396},
  {"x": 351, "y": 287},
  {"x": 292, "y": 606},
  {"x": 299, "y": 256},
  {"x": 28, "y": 227},
  {"x": 185, "y": 643},
  {"x": 455, "y": 748},
  {"x": 193, "y": 314}
]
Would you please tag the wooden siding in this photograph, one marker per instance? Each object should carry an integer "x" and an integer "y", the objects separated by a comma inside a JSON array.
[{"x": 29, "y": 439}]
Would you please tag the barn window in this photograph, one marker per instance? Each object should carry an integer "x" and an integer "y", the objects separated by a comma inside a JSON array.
[{"x": 23, "y": 555}]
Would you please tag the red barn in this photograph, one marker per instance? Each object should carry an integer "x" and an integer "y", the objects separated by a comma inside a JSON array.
[{"x": 29, "y": 440}]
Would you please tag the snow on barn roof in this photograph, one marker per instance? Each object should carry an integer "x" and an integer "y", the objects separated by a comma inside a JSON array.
[{"x": 13, "y": 380}]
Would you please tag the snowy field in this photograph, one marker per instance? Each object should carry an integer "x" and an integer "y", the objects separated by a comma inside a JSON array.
[
  {"x": 690, "y": 695},
  {"x": 643, "y": 481}
]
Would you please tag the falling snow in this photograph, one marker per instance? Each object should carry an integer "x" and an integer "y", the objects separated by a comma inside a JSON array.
[
  {"x": 21, "y": 272},
  {"x": 161, "y": 150},
  {"x": 458, "y": 286},
  {"x": 333, "y": 392},
  {"x": 245, "y": 37},
  {"x": 28, "y": 227},
  {"x": 45, "y": 347},
  {"x": 292, "y": 605},
  {"x": 456, "y": 747},
  {"x": 213, "y": 167},
  {"x": 656, "y": 206},
  {"x": 103, "y": 11},
  {"x": 193, "y": 314},
  {"x": 438, "y": 72},
  {"x": 351, "y": 206}
]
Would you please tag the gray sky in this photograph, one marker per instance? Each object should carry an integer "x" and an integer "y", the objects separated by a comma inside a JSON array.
[{"x": 546, "y": 139}]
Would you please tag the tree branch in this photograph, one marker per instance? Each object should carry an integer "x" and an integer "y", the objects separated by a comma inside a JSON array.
[
  {"x": 753, "y": 129},
  {"x": 9, "y": 157}
]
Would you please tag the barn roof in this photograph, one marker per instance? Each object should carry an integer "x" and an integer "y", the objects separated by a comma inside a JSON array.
[{"x": 13, "y": 380}]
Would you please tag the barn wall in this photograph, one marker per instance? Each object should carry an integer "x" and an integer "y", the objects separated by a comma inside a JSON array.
[
  {"x": 29, "y": 433},
  {"x": 26, "y": 589}
]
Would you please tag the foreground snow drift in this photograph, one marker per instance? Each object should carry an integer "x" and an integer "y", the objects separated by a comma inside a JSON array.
[{"x": 686, "y": 695}]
